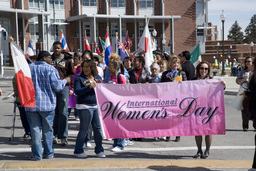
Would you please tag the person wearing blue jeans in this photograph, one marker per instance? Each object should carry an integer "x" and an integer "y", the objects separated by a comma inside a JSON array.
[
  {"x": 46, "y": 82},
  {"x": 41, "y": 121},
  {"x": 87, "y": 108},
  {"x": 87, "y": 116}
]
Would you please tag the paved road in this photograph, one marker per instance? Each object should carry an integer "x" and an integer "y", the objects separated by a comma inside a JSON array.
[{"x": 233, "y": 151}]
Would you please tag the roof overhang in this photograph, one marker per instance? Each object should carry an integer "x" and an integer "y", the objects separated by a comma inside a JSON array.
[
  {"x": 127, "y": 17},
  {"x": 24, "y": 13}
]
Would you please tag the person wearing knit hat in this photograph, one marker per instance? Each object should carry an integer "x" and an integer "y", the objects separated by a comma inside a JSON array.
[
  {"x": 47, "y": 83},
  {"x": 44, "y": 56}
]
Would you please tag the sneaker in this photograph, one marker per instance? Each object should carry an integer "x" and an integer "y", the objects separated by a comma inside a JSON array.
[
  {"x": 116, "y": 149},
  {"x": 110, "y": 148},
  {"x": 80, "y": 155},
  {"x": 77, "y": 118},
  {"x": 26, "y": 136},
  {"x": 101, "y": 155},
  {"x": 89, "y": 143},
  {"x": 64, "y": 142},
  {"x": 31, "y": 157},
  {"x": 50, "y": 157},
  {"x": 128, "y": 142},
  {"x": 56, "y": 140}
]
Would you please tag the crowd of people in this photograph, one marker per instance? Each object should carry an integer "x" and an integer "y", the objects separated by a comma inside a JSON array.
[{"x": 64, "y": 82}]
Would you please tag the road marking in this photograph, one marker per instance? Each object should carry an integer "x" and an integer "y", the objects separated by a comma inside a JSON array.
[
  {"x": 6, "y": 150},
  {"x": 116, "y": 163}
]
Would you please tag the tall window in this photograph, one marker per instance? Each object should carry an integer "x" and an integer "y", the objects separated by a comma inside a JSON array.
[
  {"x": 117, "y": 3},
  {"x": 57, "y": 4},
  {"x": 146, "y": 3},
  {"x": 36, "y": 3},
  {"x": 114, "y": 29},
  {"x": 89, "y": 2},
  {"x": 33, "y": 29}
]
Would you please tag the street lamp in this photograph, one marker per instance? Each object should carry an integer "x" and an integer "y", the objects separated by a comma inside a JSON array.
[
  {"x": 2, "y": 31},
  {"x": 218, "y": 57},
  {"x": 252, "y": 44},
  {"x": 163, "y": 42},
  {"x": 222, "y": 18}
]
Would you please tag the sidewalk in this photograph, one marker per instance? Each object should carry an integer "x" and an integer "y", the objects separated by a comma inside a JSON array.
[{"x": 231, "y": 86}]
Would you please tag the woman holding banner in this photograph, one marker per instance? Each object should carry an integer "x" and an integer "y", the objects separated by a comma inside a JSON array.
[
  {"x": 242, "y": 79},
  {"x": 203, "y": 72},
  {"x": 174, "y": 73},
  {"x": 87, "y": 108}
]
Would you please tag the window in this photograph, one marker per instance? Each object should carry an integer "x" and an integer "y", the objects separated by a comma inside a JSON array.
[
  {"x": 117, "y": 3},
  {"x": 145, "y": 3},
  {"x": 113, "y": 29},
  {"x": 89, "y": 2},
  {"x": 200, "y": 32},
  {"x": 141, "y": 30},
  {"x": 57, "y": 4},
  {"x": 33, "y": 29},
  {"x": 87, "y": 28},
  {"x": 36, "y": 3}
]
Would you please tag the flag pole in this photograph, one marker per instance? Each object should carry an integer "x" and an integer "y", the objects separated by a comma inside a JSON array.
[
  {"x": 11, "y": 41},
  {"x": 116, "y": 43}
]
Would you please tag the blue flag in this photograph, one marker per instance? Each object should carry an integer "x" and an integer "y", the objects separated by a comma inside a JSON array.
[{"x": 121, "y": 50}]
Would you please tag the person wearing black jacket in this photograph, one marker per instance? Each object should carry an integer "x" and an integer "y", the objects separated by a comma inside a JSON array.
[
  {"x": 139, "y": 74},
  {"x": 187, "y": 66},
  {"x": 63, "y": 62}
]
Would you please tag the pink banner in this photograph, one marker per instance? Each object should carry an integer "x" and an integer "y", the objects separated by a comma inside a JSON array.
[{"x": 162, "y": 109}]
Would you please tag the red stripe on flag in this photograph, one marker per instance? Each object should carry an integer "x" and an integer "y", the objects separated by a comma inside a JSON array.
[
  {"x": 26, "y": 90},
  {"x": 146, "y": 44}
]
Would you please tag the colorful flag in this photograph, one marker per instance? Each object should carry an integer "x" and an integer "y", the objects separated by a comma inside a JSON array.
[
  {"x": 97, "y": 48},
  {"x": 195, "y": 56},
  {"x": 146, "y": 46},
  {"x": 23, "y": 76},
  {"x": 108, "y": 47},
  {"x": 86, "y": 43},
  {"x": 121, "y": 50},
  {"x": 127, "y": 42},
  {"x": 30, "y": 49},
  {"x": 63, "y": 41},
  {"x": 102, "y": 43}
]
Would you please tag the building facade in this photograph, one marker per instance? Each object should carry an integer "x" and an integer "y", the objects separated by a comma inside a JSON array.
[{"x": 178, "y": 23}]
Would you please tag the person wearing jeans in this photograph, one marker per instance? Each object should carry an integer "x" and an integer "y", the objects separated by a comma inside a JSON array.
[
  {"x": 46, "y": 82},
  {"x": 87, "y": 108}
]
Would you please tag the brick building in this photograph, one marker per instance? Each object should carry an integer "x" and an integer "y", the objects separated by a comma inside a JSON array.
[{"x": 176, "y": 22}]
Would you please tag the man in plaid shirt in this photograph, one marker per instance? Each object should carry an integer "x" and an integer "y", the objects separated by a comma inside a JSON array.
[{"x": 46, "y": 82}]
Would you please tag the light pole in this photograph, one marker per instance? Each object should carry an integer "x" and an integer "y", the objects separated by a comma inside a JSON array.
[
  {"x": 252, "y": 44},
  {"x": 222, "y": 18},
  {"x": 218, "y": 57},
  {"x": 2, "y": 30},
  {"x": 154, "y": 33},
  {"x": 163, "y": 42}
]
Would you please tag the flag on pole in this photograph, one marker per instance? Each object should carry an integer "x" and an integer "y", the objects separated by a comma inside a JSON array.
[
  {"x": 102, "y": 43},
  {"x": 108, "y": 47},
  {"x": 146, "y": 46},
  {"x": 97, "y": 48},
  {"x": 127, "y": 42},
  {"x": 121, "y": 50},
  {"x": 195, "y": 55},
  {"x": 23, "y": 76},
  {"x": 30, "y": 49},
  {"x": 86, "y": 43},
  {"x": 63, "y": 41}
]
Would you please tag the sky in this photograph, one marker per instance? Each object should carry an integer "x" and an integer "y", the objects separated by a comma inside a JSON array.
[{"x": 235, "y": 10}]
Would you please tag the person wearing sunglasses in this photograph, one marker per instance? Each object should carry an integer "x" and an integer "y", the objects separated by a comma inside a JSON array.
[
  {"x": 242, "y": 79},
  {"x": 203, "y": 72}
]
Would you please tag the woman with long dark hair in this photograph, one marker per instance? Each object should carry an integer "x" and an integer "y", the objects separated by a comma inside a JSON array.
[{"x": 87, "y": 108}]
